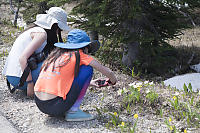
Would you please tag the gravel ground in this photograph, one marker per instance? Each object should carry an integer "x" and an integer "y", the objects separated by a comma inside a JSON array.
[
  {"x": 23, "y": 113},
  {"x": 26, "y": 117}
]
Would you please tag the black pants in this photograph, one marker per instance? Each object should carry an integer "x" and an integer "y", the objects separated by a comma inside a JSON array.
[{"x": 58, "y": 106}]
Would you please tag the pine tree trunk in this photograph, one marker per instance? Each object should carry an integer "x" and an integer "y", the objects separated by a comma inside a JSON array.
[{"x": 130, "y": 54}]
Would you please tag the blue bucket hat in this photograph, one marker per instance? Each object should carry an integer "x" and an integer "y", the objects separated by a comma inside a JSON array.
[{"x": 77, "y": 39}]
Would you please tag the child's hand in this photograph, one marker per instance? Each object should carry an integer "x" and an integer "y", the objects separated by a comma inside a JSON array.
[
  {"x": 93, "y": 83},
  {"x": 109, "y": 82},
  {"x": 99, "y": 83}
]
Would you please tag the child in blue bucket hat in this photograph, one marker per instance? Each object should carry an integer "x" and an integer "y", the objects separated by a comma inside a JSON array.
[{"x": 66, "y": 75}]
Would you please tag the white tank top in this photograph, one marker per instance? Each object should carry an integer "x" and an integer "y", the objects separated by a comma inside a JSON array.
[{"x": 12, "y": 66}]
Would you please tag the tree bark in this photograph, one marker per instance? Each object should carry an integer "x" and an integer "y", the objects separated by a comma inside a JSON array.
[{"x": 130, "y": 54}]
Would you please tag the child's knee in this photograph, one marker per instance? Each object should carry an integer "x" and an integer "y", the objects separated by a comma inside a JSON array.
[{"x": 87, "y": 69}]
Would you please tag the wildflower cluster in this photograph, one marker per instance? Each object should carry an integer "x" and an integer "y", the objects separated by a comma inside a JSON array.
[{"x": 140, "y": 93}]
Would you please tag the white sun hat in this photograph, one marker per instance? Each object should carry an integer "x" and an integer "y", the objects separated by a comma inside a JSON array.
[{"x": 54, "y": 15}]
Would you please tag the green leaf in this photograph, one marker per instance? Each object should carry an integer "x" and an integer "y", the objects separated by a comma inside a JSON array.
[
  {"x": 192, "y": 100},
  {"x": 98, "y": 111},
  {"x": 190, "y": 87},
  {"x": 185, "y": 88},
  {"x": 167, "y": 123},
  {"x": 133, "y": 73},
  {"x": 184, "y": 114},
  {"x": 190, "y": 111},
  {"x": 161, "y": 113}
]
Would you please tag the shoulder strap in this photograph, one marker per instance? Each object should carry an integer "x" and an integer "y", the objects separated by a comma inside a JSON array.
[
  {"x": 24, "y": 76},
  {"x": 77, "y": 65},
  {"x": 11, "y": 90},
  {"x": 22, "y": 80}
]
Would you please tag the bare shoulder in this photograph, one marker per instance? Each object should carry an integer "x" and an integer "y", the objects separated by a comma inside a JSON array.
[
  {"x": 42, "y": 35},
  {"x": 94, "y": 63}
]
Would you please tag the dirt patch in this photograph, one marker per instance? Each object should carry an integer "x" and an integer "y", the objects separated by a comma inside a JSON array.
[{"x": 189, "y": 37}]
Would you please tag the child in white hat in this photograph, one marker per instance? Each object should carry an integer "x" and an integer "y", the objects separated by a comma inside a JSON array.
[
  {"x": 66, "y": 75},
  {"x": 34, "y": 40}
]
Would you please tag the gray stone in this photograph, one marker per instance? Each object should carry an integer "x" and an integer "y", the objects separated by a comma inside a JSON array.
[
  {"x": 180, "y": 80},
  {"x": 196, "y": 67}
]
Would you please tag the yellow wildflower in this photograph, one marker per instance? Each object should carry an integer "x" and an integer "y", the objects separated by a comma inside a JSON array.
[
  {"x": 171, "y": 128},
  {"x": 138, "y": 88},
  {"x": 123, "y": 124},
  {"x": 174, "y": 97},
  {"x": 135, "y": 116},
  {"x": 185, "y": 131},
  {"x": 170, "y": 119},
  {"x": 115, "y": 113}
]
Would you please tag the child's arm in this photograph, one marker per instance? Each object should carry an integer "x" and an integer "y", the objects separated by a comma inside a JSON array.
[{"x": 104, "y": 70}]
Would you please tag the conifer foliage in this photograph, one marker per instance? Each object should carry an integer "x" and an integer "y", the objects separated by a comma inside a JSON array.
[
  {"x": 33, "y": 7},
  {"x": 149, "y": 23},
  {"x": 144, "y": 21}
]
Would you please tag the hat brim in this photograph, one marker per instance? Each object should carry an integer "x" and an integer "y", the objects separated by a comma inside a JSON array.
[
  {"x": 63, "y": 26},
  {"x": 46, "y": 21},
  {"x": 71, "y": 45},
  {"x": 93, "y": 46}
]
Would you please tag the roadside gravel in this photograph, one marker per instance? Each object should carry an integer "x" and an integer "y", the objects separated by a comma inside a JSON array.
[
  {"x": 22, "y": 112},
  {"x": 26, "y": 117}
]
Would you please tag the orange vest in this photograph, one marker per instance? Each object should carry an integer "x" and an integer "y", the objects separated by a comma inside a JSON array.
[{"x": 58, "y": 82}]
